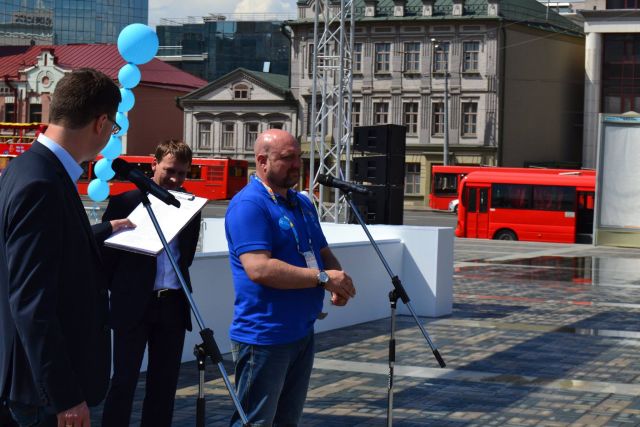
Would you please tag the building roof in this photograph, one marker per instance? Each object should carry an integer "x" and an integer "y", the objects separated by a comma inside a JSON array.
[
  {"x": 277, "y": 83},
  {"x": 105, "y": 58},
  {"x": 527, "y": 12}
]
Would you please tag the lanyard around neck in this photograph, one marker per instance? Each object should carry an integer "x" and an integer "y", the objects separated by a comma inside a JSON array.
[{"x": 292, "y": 226}]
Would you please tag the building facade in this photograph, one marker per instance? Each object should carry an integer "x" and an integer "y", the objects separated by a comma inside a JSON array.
[
  {"x": 512, "y": 78},
  {"x": 215, "y": 46},
  {"x": 25, "y": 22},
  {"x": 612, "y": 66},
  {"x": 224, "y": 118},
  {"x": 30, "y": 80}
]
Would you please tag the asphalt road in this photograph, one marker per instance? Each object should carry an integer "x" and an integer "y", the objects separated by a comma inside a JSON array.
[{"x": 216, "y": 209}]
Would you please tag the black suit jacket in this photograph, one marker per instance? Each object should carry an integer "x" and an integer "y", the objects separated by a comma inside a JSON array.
[
  {"x": 132, "y": 275},
  {"x": 54, "y": 343}
]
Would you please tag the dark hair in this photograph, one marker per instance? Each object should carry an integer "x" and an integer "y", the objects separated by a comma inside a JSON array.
[
  {"x": 81, "y": 96},
  {"x": 179, "y": 149}
]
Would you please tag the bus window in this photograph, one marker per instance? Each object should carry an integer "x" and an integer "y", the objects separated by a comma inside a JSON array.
[
  {"x": 195, "y": 172},
  {"x": 511, "y": 196},
  {"x": 553, "y": 198},
  {"x": 471, "y": 202},
  {"x": 445, "y": 183},
  {"x": 484, "y": 200}
]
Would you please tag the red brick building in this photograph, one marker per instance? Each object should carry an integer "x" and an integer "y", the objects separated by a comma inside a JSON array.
[{"x": 28, "y": 81}]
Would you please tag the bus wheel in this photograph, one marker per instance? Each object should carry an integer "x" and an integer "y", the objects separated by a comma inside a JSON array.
[{"x": 505, "y": 235}]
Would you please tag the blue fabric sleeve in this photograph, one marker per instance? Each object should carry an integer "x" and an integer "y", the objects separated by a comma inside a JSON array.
[{"x": 249, "y": 228}]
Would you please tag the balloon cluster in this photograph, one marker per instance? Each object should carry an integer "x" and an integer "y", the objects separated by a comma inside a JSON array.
[{"x": 137, "y": 44}]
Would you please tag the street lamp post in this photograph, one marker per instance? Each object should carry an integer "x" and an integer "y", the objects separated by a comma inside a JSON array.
[{"x": 445, "y": 147}]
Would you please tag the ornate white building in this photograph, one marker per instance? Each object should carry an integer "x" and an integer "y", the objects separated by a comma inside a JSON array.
[{"x": 512, "y": 76}]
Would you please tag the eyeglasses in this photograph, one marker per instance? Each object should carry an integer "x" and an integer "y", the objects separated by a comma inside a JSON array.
[{"x": 116, "y": 127}]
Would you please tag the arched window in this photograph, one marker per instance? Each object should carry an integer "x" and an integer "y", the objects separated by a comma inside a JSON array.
[{"x": 241, "y": 91}]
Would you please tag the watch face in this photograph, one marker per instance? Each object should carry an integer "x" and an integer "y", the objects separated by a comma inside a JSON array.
[{"x": 323, "y": 277}]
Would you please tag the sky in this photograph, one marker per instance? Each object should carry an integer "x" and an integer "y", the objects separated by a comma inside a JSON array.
[{"x": 184, "y": 8}]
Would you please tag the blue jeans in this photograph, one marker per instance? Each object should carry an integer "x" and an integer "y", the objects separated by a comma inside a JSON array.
[{"x": 272, "y": 381}]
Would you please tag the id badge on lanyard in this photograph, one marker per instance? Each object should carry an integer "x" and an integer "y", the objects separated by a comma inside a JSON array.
[{"x": 310, "y": 259}]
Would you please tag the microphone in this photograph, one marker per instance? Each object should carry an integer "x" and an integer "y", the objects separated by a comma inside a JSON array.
[
  {"x": 347, "y": 187},
  {"x": 127, "y": 171}
]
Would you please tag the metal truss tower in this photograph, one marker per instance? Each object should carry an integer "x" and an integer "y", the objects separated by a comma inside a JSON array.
[{"x": 331, "y": 104}]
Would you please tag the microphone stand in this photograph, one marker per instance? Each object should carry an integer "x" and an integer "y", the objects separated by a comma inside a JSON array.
[
  {"x": 398, "y": 292},
  {"x": 208, "y": 347}
]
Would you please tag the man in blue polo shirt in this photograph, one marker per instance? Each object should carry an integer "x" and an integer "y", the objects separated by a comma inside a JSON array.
[{"x": 281, "y": 267}]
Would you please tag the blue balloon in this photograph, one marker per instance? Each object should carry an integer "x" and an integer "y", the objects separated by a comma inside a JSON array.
[
  {"x": 123, "y": 122},
  {"x": 127, "y": 100},
  {"x": 129, "y": 76},
  {"x": 113, "y": 148},
  {"x": 103, "y": 169},
  {"x": 138, "y": 43},
  {"x": 98, "y": 190}
]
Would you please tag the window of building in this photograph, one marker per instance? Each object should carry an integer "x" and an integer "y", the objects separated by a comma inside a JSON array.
[
  {"x": 623, "y": 4},
  {"x": 412, "y": 57},
  {"x": 412, "y": 178},
  {"x": 228, "y": 135},
  {"x": 380, "y": 113},
  {"x": 355, "y": 113},
  {"x": 250, "y": 135},
  {"x": 469, "y": 118},
  {"x": 470, "y": 52},
  {"x": 410, "y": 117},
  {"x": 204, "y": 135},
  {"x": 35, "y": 113},
  {"x": 383, "y": 58},
  {"x": 276, "y": 125},
  {"x": 441, "y": 57},
  {"x": 437, "y": 118},
  {"x": 10, "y": 112},
  {"x": 357, "y": 57},
  {"x": 310, "y": 60},
  {"x": 241, "y": 91},
  {"x": 621, "y": 73}
]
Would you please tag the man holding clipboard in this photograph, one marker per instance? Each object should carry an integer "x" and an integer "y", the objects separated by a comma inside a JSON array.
[{"x": 148, "y": 306}]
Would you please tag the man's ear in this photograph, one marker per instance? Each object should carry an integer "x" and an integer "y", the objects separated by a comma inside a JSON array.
[
  {"x": 261, "y": 159},
  {"x": 101, "y": 121}
]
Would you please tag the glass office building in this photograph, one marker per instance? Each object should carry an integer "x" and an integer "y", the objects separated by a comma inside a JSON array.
[
  {"x": 24, "y": 22},
  {"x": 212, "y": 49}
]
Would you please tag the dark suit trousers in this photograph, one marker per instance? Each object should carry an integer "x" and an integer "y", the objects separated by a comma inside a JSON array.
[{"x": 163, "y": 329}]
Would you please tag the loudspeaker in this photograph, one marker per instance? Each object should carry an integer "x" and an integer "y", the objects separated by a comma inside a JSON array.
[
  {"x": 379, "y": 170},
  {"x": 383, "y": 139},
  {"x": 383, "y": 206}
]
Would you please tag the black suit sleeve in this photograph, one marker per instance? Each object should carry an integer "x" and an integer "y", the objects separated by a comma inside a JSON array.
[
  {"x": 35, "y": 252},
  {"x": 192, "y": 232},
  {"x": 101, "y": 231},
  {"x": 116, "y": 209}
]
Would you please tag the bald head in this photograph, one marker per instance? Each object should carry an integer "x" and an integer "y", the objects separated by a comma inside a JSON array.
[
  {"x": 270, "y": 139},
  {"x": 277, "y": 159}
]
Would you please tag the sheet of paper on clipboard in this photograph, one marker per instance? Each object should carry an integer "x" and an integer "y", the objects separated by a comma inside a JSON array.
[{"x": 144, "y": 239}]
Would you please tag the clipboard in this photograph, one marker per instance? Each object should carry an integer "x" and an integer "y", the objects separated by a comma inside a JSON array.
[{"x": 144, "y": 238}]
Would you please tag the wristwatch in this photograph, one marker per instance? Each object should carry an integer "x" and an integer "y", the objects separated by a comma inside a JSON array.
[{"x": 323, "y": 278}]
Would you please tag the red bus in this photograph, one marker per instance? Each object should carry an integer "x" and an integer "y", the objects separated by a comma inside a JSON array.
[
  {"x": 527, "y": 206},
  {"x": 445, "y": 180},
  {"x": 16, "y": 138},
  {"x": 214, "y": 179}
]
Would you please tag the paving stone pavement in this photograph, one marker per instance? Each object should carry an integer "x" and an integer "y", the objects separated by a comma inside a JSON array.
[{"x": 540, "y": 335}]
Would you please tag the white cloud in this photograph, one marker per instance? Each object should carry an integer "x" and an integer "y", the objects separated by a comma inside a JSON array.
[{"x": 184, "y": 8}]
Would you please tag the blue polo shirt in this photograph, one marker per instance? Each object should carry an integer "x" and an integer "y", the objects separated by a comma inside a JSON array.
[{"x": 264, "y": 315}]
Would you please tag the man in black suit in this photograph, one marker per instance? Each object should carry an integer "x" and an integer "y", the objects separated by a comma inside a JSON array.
[
  {"x": 148, "y": 306},
  {"x": 54, "y": 342}
]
